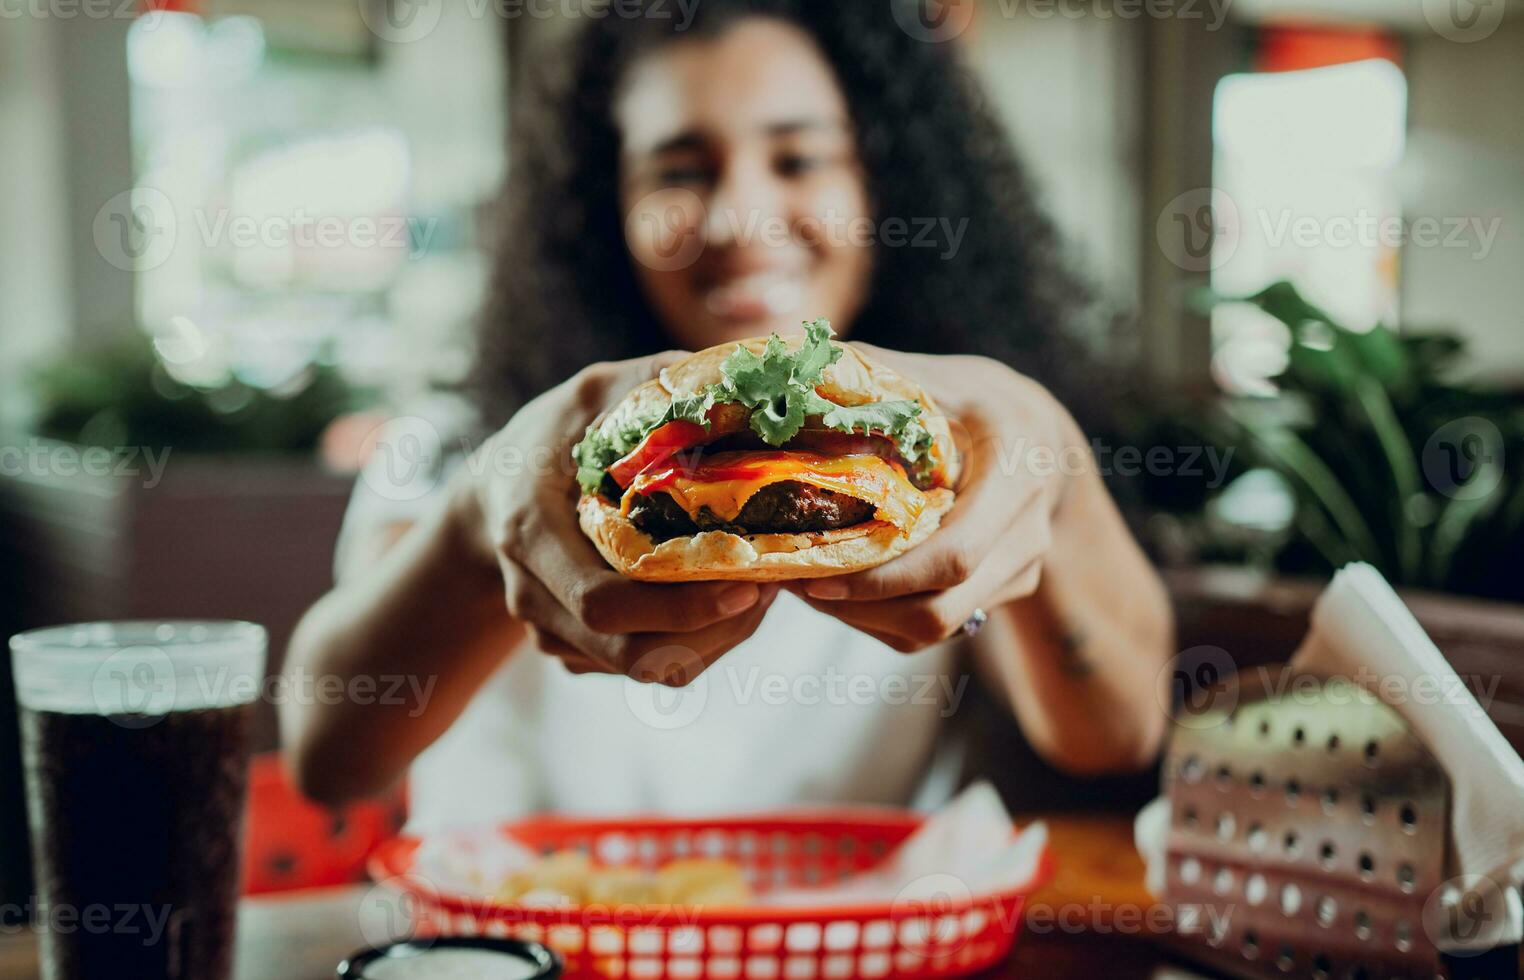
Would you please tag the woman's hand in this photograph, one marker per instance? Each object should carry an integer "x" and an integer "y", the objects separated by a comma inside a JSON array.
[
  {"x": 1017, "y": 442},
  {"x": 1080, "y": 627},
  {"x": 518, "y": 504}
]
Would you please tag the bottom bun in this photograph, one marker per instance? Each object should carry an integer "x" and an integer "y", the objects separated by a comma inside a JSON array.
[{"x": 715, "y": 555}]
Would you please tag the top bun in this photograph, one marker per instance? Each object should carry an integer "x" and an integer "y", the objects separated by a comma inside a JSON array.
[{"x": 854, "y": 379}]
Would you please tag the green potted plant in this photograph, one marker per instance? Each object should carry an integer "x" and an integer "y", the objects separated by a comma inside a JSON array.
[{"x": 1370, "y": 446}]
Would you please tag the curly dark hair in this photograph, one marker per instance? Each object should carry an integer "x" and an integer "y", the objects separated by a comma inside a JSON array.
[{"x": 564, "y": 292}]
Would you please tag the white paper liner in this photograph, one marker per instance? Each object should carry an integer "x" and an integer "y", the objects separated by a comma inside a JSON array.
[{"x": 966, "y": 849}]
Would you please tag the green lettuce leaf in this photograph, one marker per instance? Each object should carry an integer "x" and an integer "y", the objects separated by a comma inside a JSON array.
[
  {"x": 899, "y": 420},
  {"x": 689, "y": 408},
  {"x": 779, "y": 387},
  {"x": 604, "y": 445},
  {"x": 816, "y": 353}
]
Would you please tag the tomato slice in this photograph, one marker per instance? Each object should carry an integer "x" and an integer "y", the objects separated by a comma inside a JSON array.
[
  {"x": 830, "y": 442},
  {"x": 739, "y": 466},
  {"x": 659, "y": 445},
  {"x": 666, "y": 441}
]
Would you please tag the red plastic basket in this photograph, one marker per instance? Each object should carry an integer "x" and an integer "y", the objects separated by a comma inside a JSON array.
[{"x": 902, "y": 939}]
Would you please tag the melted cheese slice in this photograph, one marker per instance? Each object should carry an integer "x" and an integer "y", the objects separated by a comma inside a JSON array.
[{"x": 724, "y": 483}]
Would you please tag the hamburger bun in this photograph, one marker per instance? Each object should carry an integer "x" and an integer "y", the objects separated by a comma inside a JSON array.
[{"x": 854, "y": 379}]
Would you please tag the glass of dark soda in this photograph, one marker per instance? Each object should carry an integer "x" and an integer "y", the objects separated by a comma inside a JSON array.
[{"x": 135, "y": 745}]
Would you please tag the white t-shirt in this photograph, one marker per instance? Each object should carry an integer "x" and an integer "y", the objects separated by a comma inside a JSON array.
[{"x": 806, "y": 710}]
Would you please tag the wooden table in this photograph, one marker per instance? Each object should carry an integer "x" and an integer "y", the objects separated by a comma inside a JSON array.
[{"x": 1083, "y": 925}]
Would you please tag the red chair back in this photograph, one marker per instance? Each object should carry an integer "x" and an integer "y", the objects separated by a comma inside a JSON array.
[{"x": 291, "y": 843}]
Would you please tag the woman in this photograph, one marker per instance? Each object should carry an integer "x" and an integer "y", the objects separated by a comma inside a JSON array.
[{"x": 687, "y": 185}]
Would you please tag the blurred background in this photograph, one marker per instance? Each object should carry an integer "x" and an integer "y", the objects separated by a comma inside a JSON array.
[{"x": 238, "y": 235}]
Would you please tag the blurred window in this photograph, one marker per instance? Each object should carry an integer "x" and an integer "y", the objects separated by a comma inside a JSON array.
[
  {"x": 1306, "y": 165},
  {"x": 319, "y": 188}
]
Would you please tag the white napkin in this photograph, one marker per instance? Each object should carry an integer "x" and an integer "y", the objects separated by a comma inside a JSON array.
[
  {"x": 963, "y": 850},
  {"x": 1361, "y": 631},
  {"x": 470, "y": 862}
]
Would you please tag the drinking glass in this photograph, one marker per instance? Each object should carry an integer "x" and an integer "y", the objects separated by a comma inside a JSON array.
[{"x": 135, "y": 741}]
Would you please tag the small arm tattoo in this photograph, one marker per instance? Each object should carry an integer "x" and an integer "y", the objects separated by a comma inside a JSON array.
[{"x": 1072, "y": 660}]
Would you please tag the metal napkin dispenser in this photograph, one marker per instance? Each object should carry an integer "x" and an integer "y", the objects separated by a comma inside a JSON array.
[{"x": 1308, "y": 833}]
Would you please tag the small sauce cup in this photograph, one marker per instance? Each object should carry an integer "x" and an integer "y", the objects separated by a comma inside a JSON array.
[{"x": 448, "y": 959}]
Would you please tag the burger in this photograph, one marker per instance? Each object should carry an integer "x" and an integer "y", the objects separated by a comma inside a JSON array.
[{"x": 764, "y": 460}]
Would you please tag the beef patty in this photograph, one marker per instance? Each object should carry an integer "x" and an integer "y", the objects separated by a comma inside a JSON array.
[{"x": 781, "y": 508}]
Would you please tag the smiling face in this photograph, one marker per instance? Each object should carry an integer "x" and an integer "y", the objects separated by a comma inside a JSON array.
[{"x": 746, "y": 204}]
